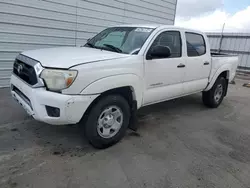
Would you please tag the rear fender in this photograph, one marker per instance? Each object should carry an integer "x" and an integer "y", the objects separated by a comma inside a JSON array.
[
  {"x": 216, "y": 75},
  {"x": 117, "y": 81}
]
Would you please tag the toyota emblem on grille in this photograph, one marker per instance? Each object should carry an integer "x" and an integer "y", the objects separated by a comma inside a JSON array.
[{"x": 19, "y": 68}]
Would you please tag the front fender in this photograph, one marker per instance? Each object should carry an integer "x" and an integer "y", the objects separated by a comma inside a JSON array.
[
  {"x": 116, "y": 81},
  {"x": 216, "y": 75}
]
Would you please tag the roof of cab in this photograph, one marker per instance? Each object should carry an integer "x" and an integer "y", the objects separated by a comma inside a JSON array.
[
  {"x": 159, "y": 26},
  {"x": 153, "y": 26}
]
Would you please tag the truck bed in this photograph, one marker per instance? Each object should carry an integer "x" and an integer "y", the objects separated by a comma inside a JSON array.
[
  {"x": 217, "y": 54},
  {"x": 220, "y": 60}
]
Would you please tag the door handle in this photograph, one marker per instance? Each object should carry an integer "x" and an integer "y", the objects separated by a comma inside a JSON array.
[
  {"x": 181, "y": 66},
  {"x": 206, "y": 63}
]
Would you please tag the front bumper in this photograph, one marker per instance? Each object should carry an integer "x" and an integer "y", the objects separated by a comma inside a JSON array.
[{"x": 34, "y": 100}]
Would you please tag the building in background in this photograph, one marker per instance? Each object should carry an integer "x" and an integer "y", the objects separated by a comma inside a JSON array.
[
  {"x": 233, "y": 43},
  {"x": 27, "y": 25}
]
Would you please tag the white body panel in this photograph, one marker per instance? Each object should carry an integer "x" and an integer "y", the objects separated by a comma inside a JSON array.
[
  {"x": 221, "y": 64},
  {"x": 72, "y": 107},
  {"x": 151, "y": 81},
  {"x": 163, "y": 80},
  {"x": 66, "y": 57}
]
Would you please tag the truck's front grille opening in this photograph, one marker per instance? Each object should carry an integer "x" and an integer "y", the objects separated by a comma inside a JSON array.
[
  {"x": 20, "y": 94},
  {"x": 52, "y": 111},
  {"x": 25, "y": 72}
]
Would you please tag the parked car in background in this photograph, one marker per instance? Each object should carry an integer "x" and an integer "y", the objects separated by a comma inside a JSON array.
[{"x": 101, "y": 85}]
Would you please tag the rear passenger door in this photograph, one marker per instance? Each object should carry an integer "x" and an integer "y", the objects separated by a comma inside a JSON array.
[{"x": 198, "y": 63}]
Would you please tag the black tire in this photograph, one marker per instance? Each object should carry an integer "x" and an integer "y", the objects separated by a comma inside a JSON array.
[
  {"x": 208, "y": 97},
  {"x": 91, "y": 121}
]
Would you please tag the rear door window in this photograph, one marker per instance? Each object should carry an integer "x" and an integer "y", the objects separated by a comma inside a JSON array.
[{"x": 196, "y": 45}]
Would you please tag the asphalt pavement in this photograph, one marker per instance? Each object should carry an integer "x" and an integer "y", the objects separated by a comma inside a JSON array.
[{"x": 179, "y": 144}]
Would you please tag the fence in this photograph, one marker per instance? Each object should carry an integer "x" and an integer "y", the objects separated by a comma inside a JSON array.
[{"x": 233, "y": 43}]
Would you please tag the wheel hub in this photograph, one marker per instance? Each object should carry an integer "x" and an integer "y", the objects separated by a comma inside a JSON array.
[
  {"x": 110, "y": 122},
  {"x": 218, "y": 93}
]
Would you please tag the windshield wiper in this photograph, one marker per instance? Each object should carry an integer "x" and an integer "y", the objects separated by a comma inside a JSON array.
[
  {"x": 113, "y": 48},
  {"x": 91, "y": 45}
]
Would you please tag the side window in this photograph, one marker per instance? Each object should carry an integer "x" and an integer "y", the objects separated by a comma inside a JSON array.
[
  {"x": 171, "y": 39},
  {"x": 195, "y": 44}
]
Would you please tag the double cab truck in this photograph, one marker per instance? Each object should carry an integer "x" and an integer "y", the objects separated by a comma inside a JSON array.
[{"x": 102, "y": 84}]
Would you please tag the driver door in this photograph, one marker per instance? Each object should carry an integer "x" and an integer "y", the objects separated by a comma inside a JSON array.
[{"x": 164, "y": 76}]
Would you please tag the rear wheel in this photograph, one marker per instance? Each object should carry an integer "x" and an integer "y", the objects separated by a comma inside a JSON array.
[
  {"x": 216, "y": 94},
  {"x": 107, "y": 121}
]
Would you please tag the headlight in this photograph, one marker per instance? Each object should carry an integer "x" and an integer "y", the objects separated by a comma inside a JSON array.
[{"x": 57, "y": 80}]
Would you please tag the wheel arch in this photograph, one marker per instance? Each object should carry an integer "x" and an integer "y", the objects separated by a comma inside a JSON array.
[
  {"x": 130, "y": 84},
  {"x": 126, "y": 92},
  {"x": 210, "y": 98},
  {"x": 222, "y": 72}
]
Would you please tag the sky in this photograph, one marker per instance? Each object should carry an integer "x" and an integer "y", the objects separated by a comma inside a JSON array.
[{"x": 211, "y": 15}]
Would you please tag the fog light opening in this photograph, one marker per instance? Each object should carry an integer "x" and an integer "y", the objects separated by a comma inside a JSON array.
[{"x": 52, "y": 111}]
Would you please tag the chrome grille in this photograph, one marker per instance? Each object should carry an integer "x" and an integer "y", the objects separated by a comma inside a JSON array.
[
  {"x": 24, "y": 71},
  {"x": 28, "y": 70}
]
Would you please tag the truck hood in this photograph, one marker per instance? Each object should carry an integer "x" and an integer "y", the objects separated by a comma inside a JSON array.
[{"x": 66, "y": 57}]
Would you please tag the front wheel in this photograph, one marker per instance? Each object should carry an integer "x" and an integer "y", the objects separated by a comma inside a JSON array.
[
  {"x": 107, "y": 121},
  {"x": 216, "y": 94}
]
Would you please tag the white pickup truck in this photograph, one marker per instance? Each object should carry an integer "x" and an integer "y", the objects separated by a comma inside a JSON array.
[{"x": 101, "y": 85}]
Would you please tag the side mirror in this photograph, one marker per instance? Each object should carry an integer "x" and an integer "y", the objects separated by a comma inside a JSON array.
[{"x": 159, "y": 52}]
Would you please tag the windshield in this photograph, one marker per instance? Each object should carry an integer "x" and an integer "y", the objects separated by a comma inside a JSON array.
[{"x": 127, "y": 40}]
